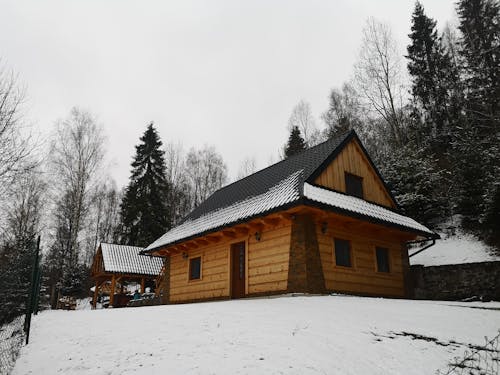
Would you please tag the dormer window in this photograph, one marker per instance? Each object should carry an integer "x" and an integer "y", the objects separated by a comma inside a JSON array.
[{"x": 354, "y": 185}]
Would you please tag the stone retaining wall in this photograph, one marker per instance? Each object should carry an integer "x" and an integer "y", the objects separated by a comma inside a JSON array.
[{"x": 457, "y": 281}]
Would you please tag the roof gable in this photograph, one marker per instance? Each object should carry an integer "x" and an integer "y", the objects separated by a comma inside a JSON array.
[{"x": 352, "y": 158}]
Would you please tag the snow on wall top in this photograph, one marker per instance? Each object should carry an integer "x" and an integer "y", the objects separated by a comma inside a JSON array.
[
  {"x": 362, "y": 207},
  {"x": 279, "y": 195},
  {"x": 126, "y": 259},
  {"x": 457, "y": 249}
]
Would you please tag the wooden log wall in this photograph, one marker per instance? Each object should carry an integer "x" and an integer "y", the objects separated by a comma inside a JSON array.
[
  {"x": 266, "y": 266},
  {"x": 362, "y": 277},
  {"x": 353, "y": 160},
  {"x": 268, "y": 260}
]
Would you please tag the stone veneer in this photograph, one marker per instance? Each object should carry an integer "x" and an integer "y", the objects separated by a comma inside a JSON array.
[
  {"x": 305, "y": 272},
  {"x": 457, "y": 281}
]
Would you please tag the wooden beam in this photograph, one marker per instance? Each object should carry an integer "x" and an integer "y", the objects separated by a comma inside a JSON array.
[
  {"x": 143, "y": 284},
  {"x": 96, "y": 293},
  {"x": 229, "y": 233},
  {"x": 214, "y": 238},
  {"x": 112, "y": 293},
  {"x": 202, "y": 242}
]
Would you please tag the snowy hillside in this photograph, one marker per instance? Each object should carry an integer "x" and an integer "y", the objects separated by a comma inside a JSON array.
[
  {"x": 460, "y": 248},
  {"x": 291, "y": 335}
]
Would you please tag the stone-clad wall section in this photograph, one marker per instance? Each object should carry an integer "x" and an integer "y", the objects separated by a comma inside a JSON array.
[{"x": 457, "y": 281}]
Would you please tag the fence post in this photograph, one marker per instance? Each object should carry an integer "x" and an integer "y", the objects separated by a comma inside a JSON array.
[{"x": 31, "y": 292}]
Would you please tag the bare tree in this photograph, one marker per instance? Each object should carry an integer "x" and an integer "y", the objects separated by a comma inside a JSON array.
[
  {"x": 207, "y": 172},
  {"x": 247, "y": 167},
  {"x": 178, "y": 179},
  {"x": 24, "y": 212},
  {"x": 303, "y": 119},
  {"x": 76, "y": 156},
  {"x": 105, "y": 214},
  {"x": 344, "y": 111},
  {"x": 379, "y": 76},
  {"x": 15, "y": 141}
]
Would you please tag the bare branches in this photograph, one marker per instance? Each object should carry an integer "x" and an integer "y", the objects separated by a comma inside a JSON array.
[
  {"x": 77, "y": 151},
  {"x": 207, "y": 172},
  {"x": 303, "y": 119},
  {"x": 15, "y": 146},
  {"x": 378, "y": 75},
  {"x": 247, "y": 167}
]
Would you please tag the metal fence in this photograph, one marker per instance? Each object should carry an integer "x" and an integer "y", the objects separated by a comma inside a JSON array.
[
  {"x": 16, "y": 332},
  {"x": 12, "y": 337},
  {"x": 478, "y": 360}
]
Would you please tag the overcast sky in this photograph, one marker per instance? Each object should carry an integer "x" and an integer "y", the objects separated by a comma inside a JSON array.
[{"x": 224, "y": 73}]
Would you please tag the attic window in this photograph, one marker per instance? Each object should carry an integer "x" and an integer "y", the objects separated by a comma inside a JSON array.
[
  {"x": 195, "y": 268},
  {"x": 353, "y": 185}
]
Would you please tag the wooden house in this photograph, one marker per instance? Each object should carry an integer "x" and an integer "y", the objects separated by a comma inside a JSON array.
[
  {"x": 114, "y": 265},
  {"x": 320, "y": 221}
]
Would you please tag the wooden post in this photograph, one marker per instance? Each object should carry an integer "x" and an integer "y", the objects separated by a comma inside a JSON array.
[
  {"x": 142, "y": 285},
  {"x": 96, "y": 292},
  {"x": 112, "y": 294}
]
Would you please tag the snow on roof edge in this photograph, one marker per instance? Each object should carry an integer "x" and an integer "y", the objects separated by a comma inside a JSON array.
[{"x": 362, "y": 207}]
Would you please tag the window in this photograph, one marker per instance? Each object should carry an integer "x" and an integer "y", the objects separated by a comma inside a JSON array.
[
  {"x": 195, "y": 268},
  {"x": 342, "y": 253},
  {"x": 354, "y": 185},
  {"x": 382, "y": 259}
]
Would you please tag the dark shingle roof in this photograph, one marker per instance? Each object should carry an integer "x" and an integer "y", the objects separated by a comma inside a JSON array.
[
  {"x": 260, "y": 182},
  {"x": 277, "y": 187}
]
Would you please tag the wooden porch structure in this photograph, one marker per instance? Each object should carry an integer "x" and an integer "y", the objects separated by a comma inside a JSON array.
[{"x": 114, "y": 265}]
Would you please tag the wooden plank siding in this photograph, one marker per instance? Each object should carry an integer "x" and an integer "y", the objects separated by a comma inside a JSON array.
[
  {"x": 362, "y": 277},
  {"x": 268, "y": 260},
  {"x": 266, "y": 266},
  {"x": 353, "y": 160}
]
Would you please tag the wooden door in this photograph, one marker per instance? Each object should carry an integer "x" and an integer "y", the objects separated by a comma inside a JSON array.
[{"x": 238, "y": 270}]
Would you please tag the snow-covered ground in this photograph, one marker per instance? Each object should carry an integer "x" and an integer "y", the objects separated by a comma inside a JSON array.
[
  {"x": 459, "y": 248},
  {"x": 285, "y": 335}
]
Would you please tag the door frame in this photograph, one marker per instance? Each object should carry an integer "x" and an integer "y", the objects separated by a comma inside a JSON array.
[{"x": 230, "y": 264}]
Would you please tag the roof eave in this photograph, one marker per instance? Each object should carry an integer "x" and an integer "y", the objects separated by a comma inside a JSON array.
[{"x": 356, "y": 215}]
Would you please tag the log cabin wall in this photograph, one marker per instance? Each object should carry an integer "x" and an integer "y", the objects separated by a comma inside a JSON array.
[
  {"x": 353, "y": 160},
  {"x": 214, "y": 281},
  {"x": 266, "y": 267},
  {"x": 268, "y": 260},
  {"x": 362, "y": 277}
]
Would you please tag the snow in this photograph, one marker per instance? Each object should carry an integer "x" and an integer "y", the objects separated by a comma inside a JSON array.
[
  {"x": 456, "y": 249},
  {"x": 360, "y": 206},
  {"x": 291, "y": 335},
  {"x": 123, "y": 258},
  {"x": 286, "y": 191}
]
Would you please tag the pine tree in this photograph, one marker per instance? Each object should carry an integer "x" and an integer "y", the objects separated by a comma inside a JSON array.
[
  {"x": 476, "y": 146},
  {"x": 144, "y": 208},
  {"x": 295, "y": 143},
  {"x": 433, "y": 77}
]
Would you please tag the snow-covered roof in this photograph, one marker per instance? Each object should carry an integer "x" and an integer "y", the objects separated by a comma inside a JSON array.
[
  {"x": 127, "y": 259},
  {"x": 361, "y": 207},
  {"x": 285, "y": 192},
  {"x": 280, "y": 186}
]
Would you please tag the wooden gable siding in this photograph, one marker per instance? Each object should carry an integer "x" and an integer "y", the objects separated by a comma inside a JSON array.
[
  {"x": 362, "y": 277},
  {"x": 353, "y": 160},
  {"x": 266, "y": 266}
]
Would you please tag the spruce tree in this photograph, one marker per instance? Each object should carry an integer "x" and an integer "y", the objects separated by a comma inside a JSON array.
[
  {"x": 476, "y": 146},
  {"x": 144, "y": 208},
  {"x": 295, "y": 143},
  {"x": 433, "y": 77}
]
